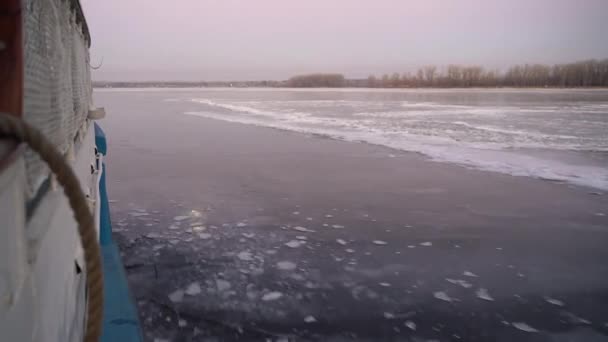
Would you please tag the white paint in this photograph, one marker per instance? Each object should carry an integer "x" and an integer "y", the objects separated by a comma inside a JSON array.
[
  {"x": 484, "y": 294},
  {"x": 524, "y": 327},
  {"x": 274, "y": 295},
  {"x": 193, "y": 289}
]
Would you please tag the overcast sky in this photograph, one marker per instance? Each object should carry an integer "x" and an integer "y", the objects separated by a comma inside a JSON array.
[{"x": 273, "y": 39}]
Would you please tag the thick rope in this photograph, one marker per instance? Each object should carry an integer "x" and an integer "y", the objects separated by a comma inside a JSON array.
[{"x": 17, "y": 129}]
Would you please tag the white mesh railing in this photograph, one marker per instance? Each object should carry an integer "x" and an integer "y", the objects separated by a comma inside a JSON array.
[{"x": 57, "y": 79}]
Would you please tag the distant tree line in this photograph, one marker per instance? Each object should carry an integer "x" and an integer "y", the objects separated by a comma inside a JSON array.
[
  {"x": 317, "y": 80},
  {"x": 590, "y": 73}
]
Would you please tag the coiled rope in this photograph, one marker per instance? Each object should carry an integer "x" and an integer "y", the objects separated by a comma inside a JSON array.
[{"x": 11, "y": 127}]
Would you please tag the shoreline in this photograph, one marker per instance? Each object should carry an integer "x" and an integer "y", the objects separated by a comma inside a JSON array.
[{"x": 523, "y": 239}]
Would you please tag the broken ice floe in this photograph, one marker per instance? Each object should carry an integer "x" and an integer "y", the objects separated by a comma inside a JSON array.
[
  {"x": 303, "y": 229},
  {"x": 310, "y": 319},
  {"x": 274, "y": 295},
  {"x": 295, "y": 243},
  {"x": 176, "y": 296},
  {"x": 348, "y": 250},
  {"x": 483, "y": 294},
  {"x": 245, "y": 256},
  {"x": 249, "y": 235},
  {"x": 554, "y": 301},
  {"x": 301, "y": 237},
  {"x": 181, "y": 218},
  {"x": 410, "y": 325},
  {"x": 443, "y": 296},
  {"x": 193, "y": 289},
  {"x": 241, "y": 224},
  {"x": 204, "y": 236},
  {"x": 337, "y": 226},
  {"x": 379, "y": 242},
  {"x": 426, "y": 244},
  {"x": 523, "y": 327},
  {"x": 286, "y": 265},
  {"x": 222, "y": 285},
  {"x": 469, "y": 274},
  {"x": 384, "y": 284},
  {"x": 340, "y": 241},
  {"x": 459, "y": 282}
]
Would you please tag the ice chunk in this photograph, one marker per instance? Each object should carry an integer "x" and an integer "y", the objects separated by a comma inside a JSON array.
[
  {"x": 204, "y": 236},
  {"x": 426, "y": 244},
  {"x": 193, "y": 289},
  {"x": 342, "y": 242},
  {"x": 523, "y": 327},
  {"x": 180, "y": 218},
  {"x": 222, "y": 285},
  {"x": 337, "y": 226},
  {"x": 174, "y": 241},
  {"x": 286, "y": 265},
  {"x": 460, "y": 282},
  {"x": 469, "y": 274},
  {"x": 303, "y": 229},
  {"x": 296, "y": 213},
  {"x": 309, "y": 219},
  {"x": 554, "y": 301},
  {"x": 348, "y": 250},
  {"x": 182, "y": 323},
  {"x": 388, "y": 315},
  {"x": 379, "y": 242},
  {"x": 443, "y": 296},
  {"x": 384, "y": 284},
  {"x": 245, "y": 256},
  {"x": 410, "y": 325},
  {"x": 294, "y": 244},
  {"x": 274, "y": 295},
  {"x": 176, "y": 296},
  {"x": 310, "y": 319},
  {"x": 241, "y": 224},
  {"x": 301, "y": 237},
  {"x": 329, "y": 216},
  {"x": 249, "y": 235},
  {"x": 483, "y": 294},
  {"x": 153, "y": 236}
]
